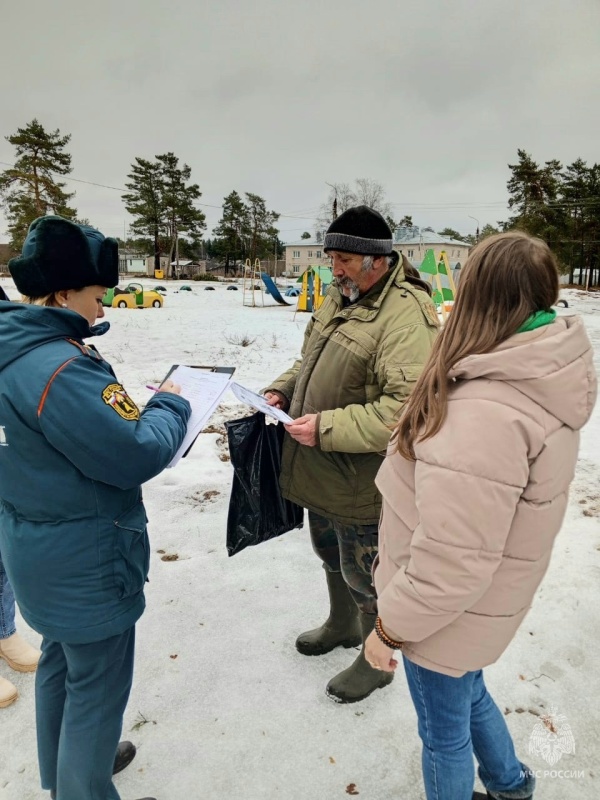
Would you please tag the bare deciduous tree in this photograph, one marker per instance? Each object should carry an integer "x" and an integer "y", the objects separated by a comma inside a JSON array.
[{"x": 366, "y": 192}]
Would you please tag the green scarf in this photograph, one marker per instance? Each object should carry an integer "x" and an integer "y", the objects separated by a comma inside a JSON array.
[{"x": 537, "y": 320}]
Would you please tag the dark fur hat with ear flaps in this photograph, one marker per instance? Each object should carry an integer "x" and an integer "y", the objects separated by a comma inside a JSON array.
[{"x": 60, "y": 254}]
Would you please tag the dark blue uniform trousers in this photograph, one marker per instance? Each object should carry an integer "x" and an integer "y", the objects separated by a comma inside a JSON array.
[{"x": 81, "y": 692}]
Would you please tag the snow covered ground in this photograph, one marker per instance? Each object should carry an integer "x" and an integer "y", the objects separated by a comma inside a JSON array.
[{"x": 222, "y": 705}]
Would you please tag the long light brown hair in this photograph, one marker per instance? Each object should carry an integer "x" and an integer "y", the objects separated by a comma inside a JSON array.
[{"x": 506, "y": 279}]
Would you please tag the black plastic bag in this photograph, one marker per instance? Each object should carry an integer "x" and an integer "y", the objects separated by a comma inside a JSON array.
[{"x": 257, "y": 511}]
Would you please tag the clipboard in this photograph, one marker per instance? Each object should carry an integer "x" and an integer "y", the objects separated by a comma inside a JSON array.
[
  {"x": 210, "y": 369},
  {"x": 221, "y": 370}
]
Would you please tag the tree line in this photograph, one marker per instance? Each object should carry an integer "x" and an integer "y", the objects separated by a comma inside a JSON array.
[
  {"x": 559, "y": 204},
  {"x": 159, "y": 195}
]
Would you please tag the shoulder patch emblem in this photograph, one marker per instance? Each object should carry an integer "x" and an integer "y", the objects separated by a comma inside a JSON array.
[
  {"x": 117, "y": 398},
  {"x": 431, "y": 314}
]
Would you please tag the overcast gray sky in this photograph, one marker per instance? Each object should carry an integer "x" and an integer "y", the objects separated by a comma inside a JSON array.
[{"x": 431, "y": 98}]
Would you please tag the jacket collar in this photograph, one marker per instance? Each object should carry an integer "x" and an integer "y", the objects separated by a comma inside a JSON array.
[
  {"x": 25, "y": 327},
  {"x": 367, "y": 307}
]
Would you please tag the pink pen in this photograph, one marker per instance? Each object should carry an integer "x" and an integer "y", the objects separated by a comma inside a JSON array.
[{"x": 153, "y": 388}]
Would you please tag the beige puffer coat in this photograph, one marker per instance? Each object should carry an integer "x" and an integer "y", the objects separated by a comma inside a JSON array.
[{"x": 467, "y": 530}]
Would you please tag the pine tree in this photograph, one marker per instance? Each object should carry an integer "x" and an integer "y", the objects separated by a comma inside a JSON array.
[
  {"x": 230, "y": 241},
  {"x": 180, "y": 214},
  {"x": 488, "y": 230},
  {"x": 162, "y": 204},
  {"x": 534, "y": 195},
  {"x": 263, "y": 233},
  {"x": 562, "y": 206},
  {"x": 144, "y": 203},
  {"x": 30, "y": 188},
  {"x": 450, "y": 233},
  {"x": 580, "y": 193}
]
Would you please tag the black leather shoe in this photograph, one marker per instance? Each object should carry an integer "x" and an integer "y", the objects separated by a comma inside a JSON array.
[
  {"x": 125, "y": 754},
  {"x": 488, "y": 796}
]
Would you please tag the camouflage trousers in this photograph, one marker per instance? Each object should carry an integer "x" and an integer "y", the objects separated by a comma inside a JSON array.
[{"x": 351, "y": 550}]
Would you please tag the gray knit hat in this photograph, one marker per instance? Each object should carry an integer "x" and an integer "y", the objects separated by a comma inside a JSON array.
[{"x": 360, "y": 230}]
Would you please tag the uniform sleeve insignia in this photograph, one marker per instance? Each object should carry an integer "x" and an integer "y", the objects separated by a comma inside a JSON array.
[
  {"x": 117, "y": 398},
  {"x": 431, "y": 314}
]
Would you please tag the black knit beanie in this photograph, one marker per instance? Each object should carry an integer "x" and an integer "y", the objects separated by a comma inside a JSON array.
[
  {"x": 359, "y": 230},
  {"x": 60, "y": 254}
]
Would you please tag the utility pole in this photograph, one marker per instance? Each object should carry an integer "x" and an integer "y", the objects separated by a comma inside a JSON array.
[
  {"x": 477, "y": 232},
  {"x": 334, "y": 207},
  {"x": 176, "y": 234}
]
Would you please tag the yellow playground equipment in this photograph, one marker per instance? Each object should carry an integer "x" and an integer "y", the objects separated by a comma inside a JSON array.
[{"x": 315, "y": 282}]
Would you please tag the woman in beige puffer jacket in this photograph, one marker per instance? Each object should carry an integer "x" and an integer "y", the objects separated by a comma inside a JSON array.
[{"x": 475, "y": 487}]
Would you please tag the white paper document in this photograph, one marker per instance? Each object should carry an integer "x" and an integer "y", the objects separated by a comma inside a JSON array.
[
  {"x": 258, "y": 402},
  {"x": 203, "y": 389}
]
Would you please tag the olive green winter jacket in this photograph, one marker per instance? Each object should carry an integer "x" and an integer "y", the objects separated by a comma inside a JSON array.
[{"x": 358, "y": 365}]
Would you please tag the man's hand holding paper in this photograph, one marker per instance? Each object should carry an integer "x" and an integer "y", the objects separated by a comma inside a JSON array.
[
  {"x": 261, "y": 402},
  {"x": 304, "y": 430}
]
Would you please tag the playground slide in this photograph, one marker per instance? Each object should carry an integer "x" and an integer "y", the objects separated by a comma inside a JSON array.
[{"x": 273, "y": 290}]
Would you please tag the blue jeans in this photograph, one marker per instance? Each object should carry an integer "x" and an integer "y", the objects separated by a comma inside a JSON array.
[
  {"x": 7, "y": 605},
  {"x": 458, "y": 719}
]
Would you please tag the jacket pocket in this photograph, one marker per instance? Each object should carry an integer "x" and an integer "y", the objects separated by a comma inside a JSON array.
[
  {"x": 411, "y": 372},
  {"x": 132, "y": 551}
]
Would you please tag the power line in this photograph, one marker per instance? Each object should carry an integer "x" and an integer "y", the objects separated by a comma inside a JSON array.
[
  {"x": 419, "y": 206},
  {"x": 120, "y": 189},
  {"x": 291, "y": 215}
]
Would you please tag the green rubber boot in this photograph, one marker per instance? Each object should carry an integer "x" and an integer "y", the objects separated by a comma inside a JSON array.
[
  {"x": 342, "y": 627},
  {"x": 360, "y": 679}
]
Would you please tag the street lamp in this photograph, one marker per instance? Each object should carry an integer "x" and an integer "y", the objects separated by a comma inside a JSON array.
[{"x": 477, "y": 221}]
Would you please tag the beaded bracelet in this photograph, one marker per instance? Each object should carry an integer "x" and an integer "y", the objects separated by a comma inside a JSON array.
[{"x": 382, "y": 635}]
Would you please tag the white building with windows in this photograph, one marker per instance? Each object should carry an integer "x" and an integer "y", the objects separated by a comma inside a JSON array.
[
  {"x": 412, "y": 242},
  {"x": 303, "y": 254},
  {"x": 415, "y": 242},
  {"x": 131, "y": 262}
]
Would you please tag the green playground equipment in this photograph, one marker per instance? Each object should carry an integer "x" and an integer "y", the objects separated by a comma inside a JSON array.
[{"x": 443, "y": 295}]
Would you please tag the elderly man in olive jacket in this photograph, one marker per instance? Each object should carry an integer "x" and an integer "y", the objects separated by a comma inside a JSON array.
[{"x": 363, "y": 351}]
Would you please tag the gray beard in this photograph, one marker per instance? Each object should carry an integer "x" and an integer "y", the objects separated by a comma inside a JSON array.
[{"x": 346, "y": 283}]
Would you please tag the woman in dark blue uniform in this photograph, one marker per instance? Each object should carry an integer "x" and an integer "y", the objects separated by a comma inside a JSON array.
[{"x": 72, "y": 523}]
